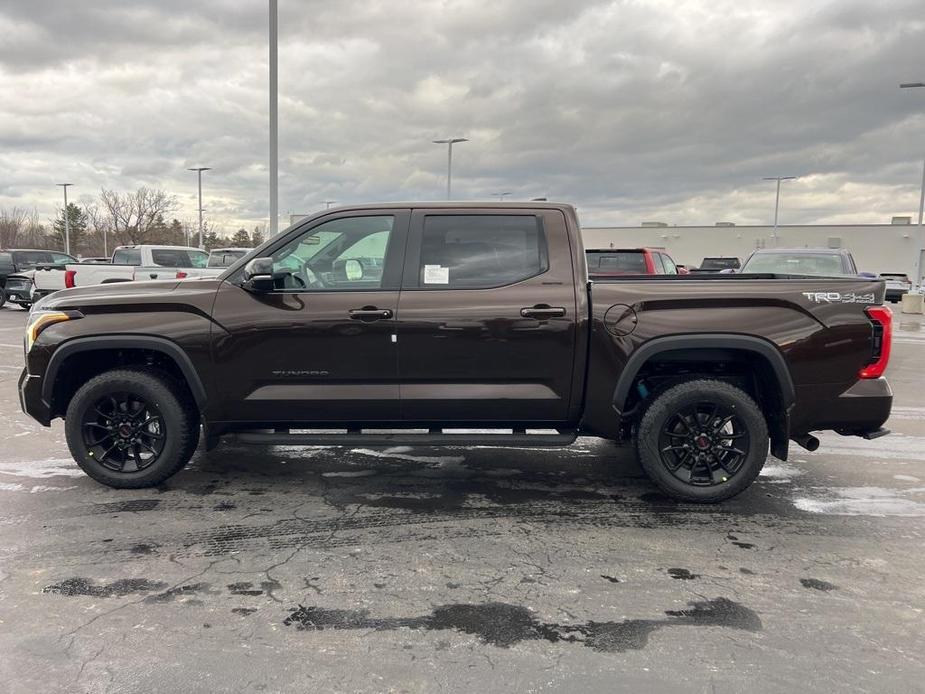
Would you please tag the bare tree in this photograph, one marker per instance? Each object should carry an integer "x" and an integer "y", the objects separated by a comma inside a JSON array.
[
  {"x": 12, "y": 224},
  {"x": 136, "y": 217}
]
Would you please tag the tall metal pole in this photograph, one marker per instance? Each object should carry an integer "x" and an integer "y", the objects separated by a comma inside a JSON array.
[
  {"x": 449, "y": 170},
  {"x": 199, "y": 170},
  {"x": 917, "y": 266},
  {"x": 67, "y": 220},
  {"x": 449, "y": 142},
  {"x": 777, "y": 202},
  {"x": 274, "y": 120}
]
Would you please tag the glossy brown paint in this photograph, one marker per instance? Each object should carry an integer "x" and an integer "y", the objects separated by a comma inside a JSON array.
[{"x": 469, "y": 356}]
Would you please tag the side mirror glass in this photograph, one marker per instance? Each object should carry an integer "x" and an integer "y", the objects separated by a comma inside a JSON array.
[
  {"x": 353, "y": 269},
  {"x": 258, "y": 275}
]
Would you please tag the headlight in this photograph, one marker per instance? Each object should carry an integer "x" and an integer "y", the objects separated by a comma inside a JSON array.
[{"x": 39, "y": 320}]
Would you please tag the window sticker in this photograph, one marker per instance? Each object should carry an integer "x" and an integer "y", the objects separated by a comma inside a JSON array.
[{"x": 436, "y": 274}]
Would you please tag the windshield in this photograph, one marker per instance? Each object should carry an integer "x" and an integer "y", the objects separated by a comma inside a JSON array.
[
  {"x": 825, "y": 264},
  {"x": 719, "y": 263},
  {"x": 27, "y": 260},
  {"x": 225, "y": 258}
]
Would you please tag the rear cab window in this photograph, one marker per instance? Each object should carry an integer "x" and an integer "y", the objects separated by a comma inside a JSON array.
[{"x": 126, "y": 256}]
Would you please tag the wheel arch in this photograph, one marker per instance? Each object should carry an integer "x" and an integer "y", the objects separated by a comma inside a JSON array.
[
  {"x": 148, "y": 344},
  {"x": 778, "y": 374}
]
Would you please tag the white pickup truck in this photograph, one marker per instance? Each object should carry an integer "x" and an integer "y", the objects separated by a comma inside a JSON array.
[{"x": 128, "y": 264}]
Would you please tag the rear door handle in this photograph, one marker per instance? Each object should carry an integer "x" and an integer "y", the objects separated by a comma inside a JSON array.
[
  {"x": 370, "y": 314},
  {"x": 543, "y": 311}
]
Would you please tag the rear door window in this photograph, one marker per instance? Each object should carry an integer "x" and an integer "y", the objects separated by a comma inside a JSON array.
[
  {"x": 670, "y": 267},
  {"x": 480, "y": 251}
]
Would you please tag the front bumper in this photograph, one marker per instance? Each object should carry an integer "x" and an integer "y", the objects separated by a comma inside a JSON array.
[
  {"x": 30, "y": 398},
  {"x": 18, "y": 293}
]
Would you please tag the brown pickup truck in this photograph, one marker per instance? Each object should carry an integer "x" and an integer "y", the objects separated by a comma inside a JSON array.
[{"x": 431, "y": 324}]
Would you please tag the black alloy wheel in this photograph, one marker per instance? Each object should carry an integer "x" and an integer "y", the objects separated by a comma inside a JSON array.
[
  {"x": 703, "y": 441},
  {"x": 704, "y": 444},
  {"x": 132, "y": 427},
  {"x": 123, "y": 432}
]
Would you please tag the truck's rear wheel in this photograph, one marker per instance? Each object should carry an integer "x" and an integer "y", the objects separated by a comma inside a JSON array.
[
  {"x": 703, "y": 441},
  {"x": 131, "y": 428}
]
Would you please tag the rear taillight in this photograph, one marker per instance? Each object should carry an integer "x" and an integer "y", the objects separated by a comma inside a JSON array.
[
  {"x": 180, "y": 274},
  {"x": 881, "y": 319},
  {"x": 69, "y": 278}
]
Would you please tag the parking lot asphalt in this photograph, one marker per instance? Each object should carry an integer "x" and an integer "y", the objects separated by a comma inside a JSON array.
[{"x": 466, "y": 569}]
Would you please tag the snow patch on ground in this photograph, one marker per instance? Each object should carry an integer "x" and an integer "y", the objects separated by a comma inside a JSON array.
[
  {"x": 42, "y": 469},
  {"x": 780, "y": 471},
  {"x": 349, "y": 473},
  {"x": 863, "y": 501},
  {"x": 892, "y": 447},
  {"x": 392, "y": 453}
]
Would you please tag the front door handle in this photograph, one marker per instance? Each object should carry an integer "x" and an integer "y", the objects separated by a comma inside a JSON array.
[
  {"x": 543, "y": 311},
  {"x": 370, "y": 313}
]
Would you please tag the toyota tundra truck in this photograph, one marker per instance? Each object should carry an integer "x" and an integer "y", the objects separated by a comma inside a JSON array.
[{"x": 458, "y": 324}]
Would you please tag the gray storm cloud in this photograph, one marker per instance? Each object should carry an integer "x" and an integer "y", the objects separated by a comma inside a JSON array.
[{"x": 631, "y": 110}]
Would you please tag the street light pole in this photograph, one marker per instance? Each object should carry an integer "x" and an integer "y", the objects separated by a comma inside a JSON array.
[
  {"x": 274, "y": 119},
  {"x": 501, "y": 196},
  {"x": 449, "y": 142},
  {"x": 199, "y": 170},
  {"x": 67, "y": 220},
  {"x": 921, "y": 241},
  {"x": 777, "y": 200}
]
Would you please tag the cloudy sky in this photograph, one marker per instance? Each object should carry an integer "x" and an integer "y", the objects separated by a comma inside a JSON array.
[{"x": 633, "y": 110}]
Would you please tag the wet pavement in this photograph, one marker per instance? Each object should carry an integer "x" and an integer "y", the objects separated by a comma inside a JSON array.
[{"x": 465, "y": 569}]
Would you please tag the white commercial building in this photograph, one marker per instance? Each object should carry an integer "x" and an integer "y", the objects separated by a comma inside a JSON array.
[{"x": 876, "y": 247}]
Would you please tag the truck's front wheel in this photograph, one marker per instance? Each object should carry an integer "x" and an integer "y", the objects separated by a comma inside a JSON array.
[
  {"x": 703, "y": 441},
  {"x": 130, "y": 428}
]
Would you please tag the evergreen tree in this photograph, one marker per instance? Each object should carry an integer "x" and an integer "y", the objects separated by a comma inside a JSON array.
[
  {"x": 78, "y": 222},
  {"x": 256, "y": 237},
  {"x": 211, "y": 240},
  {"x": 241, "y": 239}
]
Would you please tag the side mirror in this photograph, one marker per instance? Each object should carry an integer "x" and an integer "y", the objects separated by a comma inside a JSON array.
[{"x": 258, "y": 275}]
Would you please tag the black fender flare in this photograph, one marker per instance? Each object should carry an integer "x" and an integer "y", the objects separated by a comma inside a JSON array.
[
  {"x": 99, "y": 342},
  {"x": 670, "y": 343}
]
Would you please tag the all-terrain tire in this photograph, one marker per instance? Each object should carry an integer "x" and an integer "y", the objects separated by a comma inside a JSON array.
[
  {"x": 179, "y": 415},
  {"x": 678, "y": 399}
]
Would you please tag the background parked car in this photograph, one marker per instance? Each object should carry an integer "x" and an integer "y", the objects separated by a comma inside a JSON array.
[
  {"x": 129, "y": 263},
  {"x": 718, "y": 264},
  {"x": 619, "y": 262},
  {"x": 226, "y": 257},
  {"x": 813, "y": 262},
  {"x": 897, "y": 284},
  {"x": 96, "y": 260},
  {"x": 18, "y": 264}
]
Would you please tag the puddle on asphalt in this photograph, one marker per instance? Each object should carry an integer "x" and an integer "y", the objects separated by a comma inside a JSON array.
[
  {"x": 504, "y": 625},
  {"x": 124, "y": 586}
]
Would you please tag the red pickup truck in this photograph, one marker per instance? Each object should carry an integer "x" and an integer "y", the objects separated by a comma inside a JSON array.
[{"x": 619, "y": 262}]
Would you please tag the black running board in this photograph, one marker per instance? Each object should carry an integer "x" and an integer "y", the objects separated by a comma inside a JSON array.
[{"x": 325, "y": 437}]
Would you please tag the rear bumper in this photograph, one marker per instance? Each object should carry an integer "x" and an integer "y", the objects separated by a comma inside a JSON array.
[
  {"x": 862, "y": 407},
  {"x": 30, "y": 398}
]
